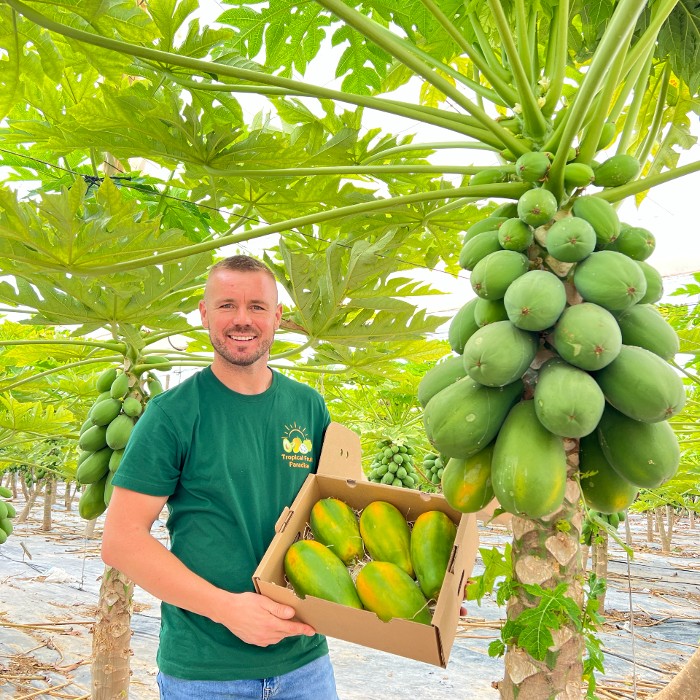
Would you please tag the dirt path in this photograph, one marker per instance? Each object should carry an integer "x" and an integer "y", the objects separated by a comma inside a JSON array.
[{"x": 49, "y": 584}]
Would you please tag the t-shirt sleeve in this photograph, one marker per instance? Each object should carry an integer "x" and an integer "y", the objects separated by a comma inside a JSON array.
[{"x": 153, "y": 456}]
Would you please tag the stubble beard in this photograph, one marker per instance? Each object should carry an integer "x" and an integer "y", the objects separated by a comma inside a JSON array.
[{"x": 236, "y": 359}]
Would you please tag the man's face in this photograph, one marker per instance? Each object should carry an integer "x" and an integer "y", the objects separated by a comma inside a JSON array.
[{"x": 241, "y": 312}]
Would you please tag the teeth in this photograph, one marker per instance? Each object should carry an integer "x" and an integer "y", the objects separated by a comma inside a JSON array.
[{"x": 242, "y": 337}]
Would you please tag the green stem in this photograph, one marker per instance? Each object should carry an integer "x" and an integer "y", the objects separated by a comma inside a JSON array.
[
  {"x": 655, "y": 128},
  {"x": 492, "y": 60},
  {"x": 393, "y": 45},
  {"x": 372, "y": 171},
  {"x": 630, "y": 81},
  {"x": 432, "y": 146},
  {"x": 53, "y": 370},
  {"x": 294, "y": 351},
  {"x": 633, "y": 112},
  {"x": 556, "y": 69},
  {"x": 534, "y": 124},
  {"x": 625, "y": 14},
  {"x": 511, "y": 190},
  {"x": 309, "y": 370},
  {"x": 208, "y": 67},
  {"x": 522, "y": 30},
  {"x": 455, "y": 204},
  {"x": 106, "y": 345},
  {"x": 497, "y": 78},
  {"x": 617, "y": 194}
]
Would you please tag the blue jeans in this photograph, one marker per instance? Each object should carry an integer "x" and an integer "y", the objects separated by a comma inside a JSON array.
[{"x": 315, "y": 681}]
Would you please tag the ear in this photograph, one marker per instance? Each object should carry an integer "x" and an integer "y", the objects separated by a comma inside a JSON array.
[
  {"x": 278, "y": 316},
  {"x": 203, "y": 313}
]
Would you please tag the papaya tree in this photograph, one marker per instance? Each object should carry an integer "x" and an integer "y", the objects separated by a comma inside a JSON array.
[{"x": 576, "y": 107}]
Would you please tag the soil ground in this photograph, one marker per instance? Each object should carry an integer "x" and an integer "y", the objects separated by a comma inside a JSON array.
[{"x": 49, "y": 584}]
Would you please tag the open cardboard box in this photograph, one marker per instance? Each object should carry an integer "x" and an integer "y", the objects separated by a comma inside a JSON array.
[{"x": 340, "y": 475}]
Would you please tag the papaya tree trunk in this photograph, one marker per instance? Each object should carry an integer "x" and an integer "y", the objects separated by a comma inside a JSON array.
[
  {"x": 31, "y": 500},
  {"x": 67, "y": 498},
  {"x": 111, "y": 639},
  {"x": 628, "y": 532},
  {"x": 685, "y": 685},
  {"x": 25, "y": 489},
  {"x": 90, "y": 528},
  {"x": 547, "y": 552},
  {"x": 599, "y": 565},
  {"x": 650, "y": 527},
  {"x": 691, "y": 519},
  {"x": 48, "y": 503},
  {"x": 665, "y": 527}
]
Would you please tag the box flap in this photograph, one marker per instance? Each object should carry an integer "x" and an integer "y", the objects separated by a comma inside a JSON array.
[{"x": 341, "y": 454}]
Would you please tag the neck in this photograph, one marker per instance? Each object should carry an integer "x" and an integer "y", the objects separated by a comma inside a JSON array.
[{"x": 254, "y": 379}]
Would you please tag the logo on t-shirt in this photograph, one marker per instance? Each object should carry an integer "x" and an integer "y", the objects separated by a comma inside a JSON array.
[{"x": 297, "y": 447}]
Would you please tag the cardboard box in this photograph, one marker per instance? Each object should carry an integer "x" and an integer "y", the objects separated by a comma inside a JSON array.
[{"x": 340, "y": 476}]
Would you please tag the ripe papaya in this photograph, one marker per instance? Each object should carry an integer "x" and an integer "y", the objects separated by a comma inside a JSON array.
[
  {"x": 92, "y": 501},
  {"x": 105, "y": 412},
  {"x": 386, "y": 534},
  {"x": 466, "y": 483},
  {"x": 104, "y": 381},
  {"x": 489, "y": 311},
  {"x": 655, "y": 283},
  {"x": 493, "y": 274},
  {"x": 537, "y": 206},
  {"x": 432, "y": 539},
  {"x": 94, "y": 467},
  {"x": 93, "y": 439},
  {"x": 533, "y": 166},
  {"x": 528, "y": 470},
  {"x": 334, "y": 524},
  {"x": 645, "y": 454},
  {"x": 577, "y": 175},
  {"x": 499, "y": 353},
  {"x": 568, "y": 401},
  {"x": 643, "y": 325},
  {"x": 437, "y": 378},
  {"x": 635, "y": 242},
  {"x": 535, "y": 300},
  {"x": 478, "y": 248},
  {"x": 515, "y": 234},
  {"x": 118, "y": 431},
  {"x": 602, "y": 487},
  {"x": 314, "y": 570},
  {"x": 601, "y": 215},
  {"x": 462, "y": 327},
  {"x": 570, "y": 239},
  {"x": 641, "y": 385},
  {"x": 389, "y": 592},
  {"x": 120, "y": 386},
  {"x": 490, "y": 223},
  {"x": 610, "y": 279},
  {"x": 464, "y": 418},
  {"x": 616, "y": 170},
  {"x": 587, "y": 336}
]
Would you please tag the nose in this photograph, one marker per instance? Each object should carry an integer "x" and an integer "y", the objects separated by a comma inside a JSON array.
[{"x": 241, "y": 316}]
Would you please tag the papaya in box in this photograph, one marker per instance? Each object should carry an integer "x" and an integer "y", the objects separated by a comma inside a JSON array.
[{"x": 340, "y": 476}]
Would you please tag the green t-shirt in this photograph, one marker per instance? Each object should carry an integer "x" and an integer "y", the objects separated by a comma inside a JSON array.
[{"x": 229, "y": 464}]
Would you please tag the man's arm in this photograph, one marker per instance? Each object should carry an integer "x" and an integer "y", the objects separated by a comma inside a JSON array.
[{"x": 128, "y": 546}]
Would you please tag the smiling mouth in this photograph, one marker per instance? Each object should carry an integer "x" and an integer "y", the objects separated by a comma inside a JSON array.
[{"x": 241, "y": 338}]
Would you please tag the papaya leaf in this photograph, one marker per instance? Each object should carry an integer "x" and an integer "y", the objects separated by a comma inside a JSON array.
[{"x": 679, "y": 39}]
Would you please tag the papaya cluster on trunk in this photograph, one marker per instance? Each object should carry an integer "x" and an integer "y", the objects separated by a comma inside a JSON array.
[
  {"x": 392, "y": 464},
  {"x": 7, "y": 512},
  {"x": 105, "y": 433},
  {"x": 406, "y": 566},
  {"x": 563, "y": 341}
]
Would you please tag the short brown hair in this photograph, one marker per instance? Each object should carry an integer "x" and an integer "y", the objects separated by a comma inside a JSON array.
[{"x": 242, "y": 263}]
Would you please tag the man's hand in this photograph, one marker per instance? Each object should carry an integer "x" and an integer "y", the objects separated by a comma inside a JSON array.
[{"x": 258, "y": 620}]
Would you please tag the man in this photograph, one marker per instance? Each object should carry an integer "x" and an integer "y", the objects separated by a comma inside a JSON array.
[{"x": 213, "y": 449}]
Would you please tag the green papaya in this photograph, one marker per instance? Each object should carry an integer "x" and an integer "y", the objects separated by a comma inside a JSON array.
[
  {"x": 462, "y": 326},
  {"x": 499, "y": 353},
  {"x": 493, "y": 274},
  {"x": 5, "y": 492},
  {"x": 515, "y": 234},
  {"x": 532, "y": 167},
  {"x": 641, "y": 385},
  {"x": 602, "y": 487},
  {"x": 635, "y": 242},
  {"x": 94, "y": 467},
  {"x": 616, "y": 170},
  {"x": 108, "y": 488},
  {"x": 491, "y": 175},
  {"x": 386, "y": 534},
  {"x": 466, "y": 483},
  {"x": 607, "y": 136},
  {"x": 478, "y": 248},
  {"x": 489, "y": 311},
  {"x": 389, "y": 592},
  {"x": 568, "y": 401},
  {"x": 115, "y": 459},
  {"x": 104, "y": 381},
  {"x": 132, "y": 407},
  {"x": 535, "y": 300},
  {"x": 314, "y": 570},
  {"x": 601, "y": 215},
  {"x": 537, "y": 206},
  {"x": 105, "y": 412},
  {"x": 334, "y": 524},
  {"x": 587, "y": 336},
  {"x": 507, "y": 210},
  {"x": 93, "y": 439},
  {"x": 490, "y": 223},
  {"x": 464, "y": 418},
  {"x": 610, "y": 279},
  {"x": 432, "y": 539},
  {"x": 92, "y": 501},
  {"x": 645, "y": 454},
  {"x": 577, "y": 175},
  {"x": 528, "y": 470},
  {"x": 118, "y": 431},
  {"x": 655, "y": 283},
  {"x": 120, "y": 386},
  {"x": 570, "y": 239},
  {"x": 644, "y": 326},
  {"x": 444, "y": 373}
]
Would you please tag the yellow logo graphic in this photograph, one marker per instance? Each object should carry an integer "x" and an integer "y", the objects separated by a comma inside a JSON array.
[{"x": 295, "y": 440}]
